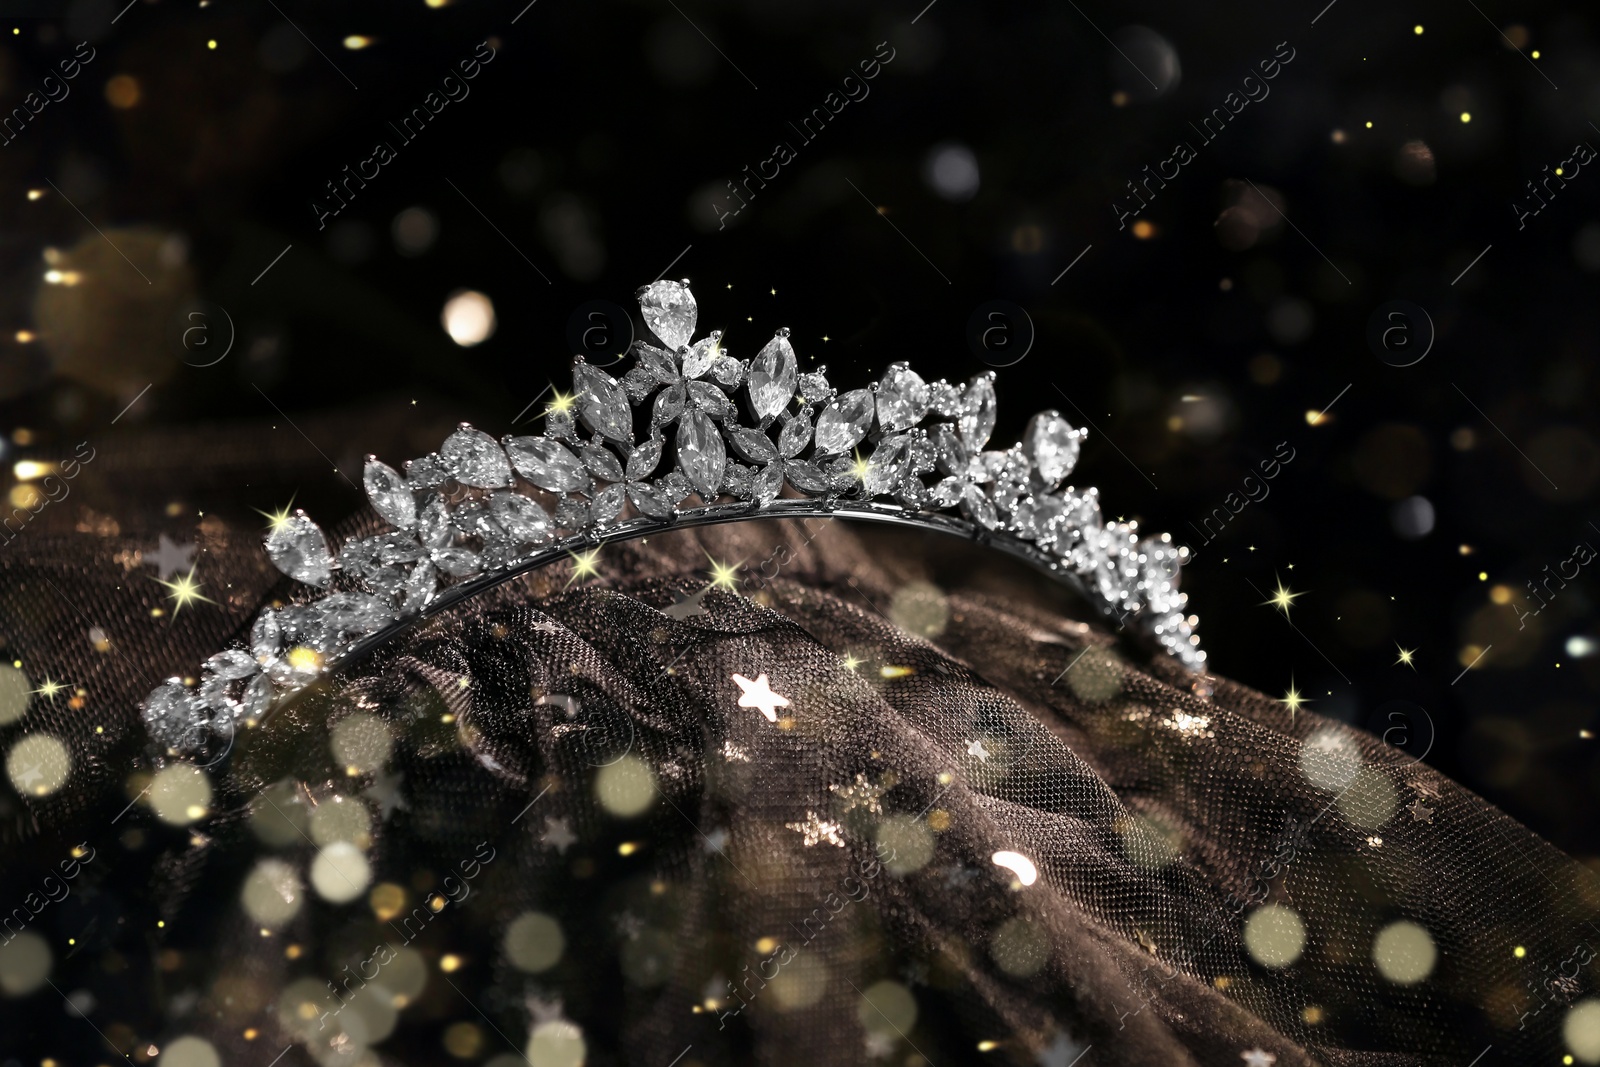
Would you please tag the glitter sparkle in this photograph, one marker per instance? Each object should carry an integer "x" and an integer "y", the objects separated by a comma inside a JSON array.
[
  {"x": 185, "y": 591},
  {"x": 1282, "y": 599},
  {"x": 48, "y": 689},
  {"x": 1406, "y": 656},
  {"x": 724, "y": 575},
  {"x": 1293, "y": 700},
  {"x": 583, "y": 564}
]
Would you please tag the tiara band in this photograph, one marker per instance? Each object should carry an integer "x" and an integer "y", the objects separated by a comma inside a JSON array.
[{"x": 463, "y": 519}]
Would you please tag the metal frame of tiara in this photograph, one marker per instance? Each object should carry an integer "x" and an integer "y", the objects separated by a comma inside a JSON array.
[{"x": 480, "y": 512}]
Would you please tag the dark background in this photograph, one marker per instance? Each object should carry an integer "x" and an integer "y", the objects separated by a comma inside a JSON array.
[{"x": 587, "y": 157}]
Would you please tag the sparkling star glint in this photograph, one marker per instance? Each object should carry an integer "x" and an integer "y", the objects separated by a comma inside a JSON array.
[
  {"x": 724, "y": 575},
  {"x": 1293, "y": 699},
  {"x": 185, "y": 591},
  {"x": 560, "y": 403},
  {"x": 1282, "y": 599},
  {"x": 851, "y": 662},
  {"x": 583, "y": 564},
  {"x": 1406, "y": 656},
  {"x": 276, "y": 519},
  {"x": 860, "y": 468},
  {"x": 48, "y": 689}
]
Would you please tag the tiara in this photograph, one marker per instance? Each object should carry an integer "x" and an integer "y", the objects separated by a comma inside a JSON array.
[{"x": 479, "y": 512}]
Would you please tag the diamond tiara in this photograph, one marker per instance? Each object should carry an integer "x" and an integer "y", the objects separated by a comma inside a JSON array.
[{"x": 479, "y": 512}]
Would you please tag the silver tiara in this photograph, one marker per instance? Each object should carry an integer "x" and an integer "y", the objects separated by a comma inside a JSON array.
[{"x": 479, "y": 512}]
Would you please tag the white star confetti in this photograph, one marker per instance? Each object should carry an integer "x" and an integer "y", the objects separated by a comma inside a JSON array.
[
  {"x": 759, "y": 694},
  {"x": 816, "y": 829},
  {"x": 1258, "y": 1057},
  {"x": 975, "y": 748},
  {"x": 558, "y": 834},
  {"x": 169, "y": 558}
]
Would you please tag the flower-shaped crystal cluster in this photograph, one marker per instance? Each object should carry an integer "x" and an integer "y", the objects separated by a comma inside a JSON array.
[{"x": 687, "y": 420}]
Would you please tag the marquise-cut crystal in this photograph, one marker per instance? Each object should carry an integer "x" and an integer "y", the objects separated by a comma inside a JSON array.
[
  {"x": 231, "y": 665},
  {"x": 520, "y": 516},
  {"x": 767, "y": 483},
  {"x": 607, "y": 503},
  {"x": 171, "y": 717},
  {"x": 701, "y": 453},
  {"x": 887, "y": 464},
  {"x": 643, "y": 461},
  {"x": 703, "y": 355},
  {"x": 299, "y": 549},
  {"x": 390, "y": 495},
  {"x": 1158, "y": 574},
  {"x": 772, "y": 377},
  {"x": 669, "y": 310},
  {"x": 656, "y": 364},
  {"x": 753, "y": 445},
  {"x": 602, "y": 404},
  {"x": 1052, "y": 444},
  {"x": 902, "y": 398},
  {"x": 794, "y": 436},
  {"x": 473, "y": 458},
  {"x": 976, "y": 421},
  {"x": 650, "y": 501},
  {"x": 601, "y": 461},
  {"x": 547, "y": 464},
  {"x": 844, "y": 421}
]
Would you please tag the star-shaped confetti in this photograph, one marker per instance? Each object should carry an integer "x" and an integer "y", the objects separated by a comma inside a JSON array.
[
  {"x": 975, "y": 748},
  {"x": 169, "y": 558},
  {"x": 185, "y": 591},
  {"x": 759, "y": 694},
  {"x": 28, "y": 776},
  {"x": 880, "y": 1045},
  {"x": 558, "y": 834},
  {"x": 1406, "y": 656},
  {"x": 1420, "y": 812},
  {"x": 1258, "y": 1057},
  {"x": 628, "y": 925},
  {"x": 1062, "y": 1052},
  {"x": 860, "y": 794},
  {"x": 1282, "y": 599},
  {"x": 816, "y": 829},
  {"x": 686, "y": 605},
  {"x": 385, "y": 792}
]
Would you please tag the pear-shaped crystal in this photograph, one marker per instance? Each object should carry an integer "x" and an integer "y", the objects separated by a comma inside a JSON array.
[
  {"x": 299, "y": 549},
  {"x": 669, "y": 310},
  {"x": 472, "y": 458},
  {"x": 521, "y": 516},
  {"x": 390, "y": 495},
  {"x": 602, "y": 404},
  {"x": 976, "y": 421},
  {"x": 1052, "y": 445},
  {"x": 844, "y": 421},
  {"x": 902, "y": 398},
  {"x": 701, "y": 453},
  {"x": 703, "y": 355},
  {"x": 547, "y": 464},
  {"x": 772, "y": 376}
]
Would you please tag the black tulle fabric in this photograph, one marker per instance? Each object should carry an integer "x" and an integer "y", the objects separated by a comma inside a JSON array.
[{"x": 819, "y": 889}]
